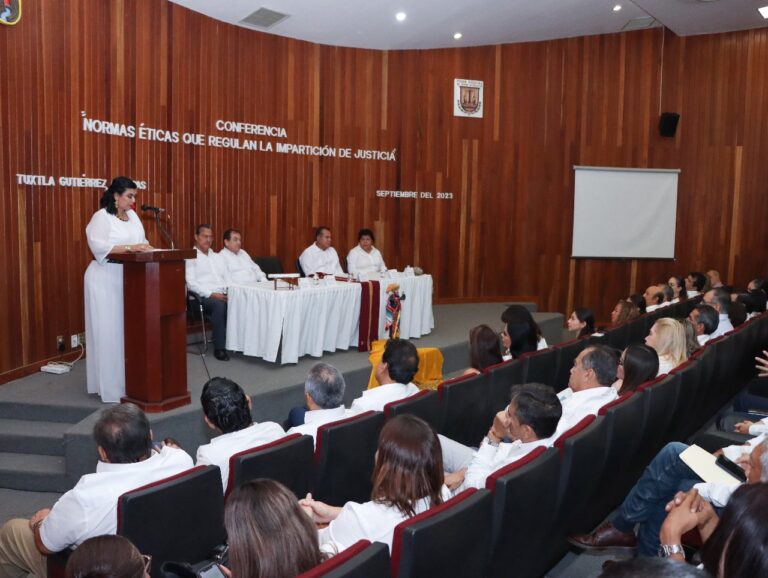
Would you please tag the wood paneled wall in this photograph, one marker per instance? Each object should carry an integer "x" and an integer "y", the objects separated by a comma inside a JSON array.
[{"x": 548, "y": 105}]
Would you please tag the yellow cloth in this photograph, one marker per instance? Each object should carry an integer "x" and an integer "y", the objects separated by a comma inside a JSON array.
[{"x": 430, "y": 372}]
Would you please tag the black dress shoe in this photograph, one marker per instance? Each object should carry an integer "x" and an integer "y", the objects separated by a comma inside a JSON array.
[{"x": 221, "y": 355}]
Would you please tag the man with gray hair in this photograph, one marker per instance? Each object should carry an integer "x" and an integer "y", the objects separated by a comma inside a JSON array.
[
  {"x": 720, "y": 300},
  {"x": 324, "y": 398},
  {"x": 705, "y": 321}
]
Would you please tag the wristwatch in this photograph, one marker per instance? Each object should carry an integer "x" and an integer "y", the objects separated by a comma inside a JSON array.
[{"x": 667, "y": 550}]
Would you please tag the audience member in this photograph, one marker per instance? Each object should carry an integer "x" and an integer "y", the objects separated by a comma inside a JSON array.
[
  {"x": 714, "y": 279},
  {"x": 320, "y": 257},
  {"x": 228, "y": 412},
  {"x": 695, "y": 283},
  {"x": 669, "y": 295},
  {"x": 365, "y": 259},
  {"x": 107, "y": 556},
  {"x": 653, "y": 298},
  {"x": 324, "y": 399},
  {"x": 207, "y": 278},
  {"x": 269, "y": 534},
  {"x": 240, "y": 267},
  {"x": 677, "y": 284},
  {"x": 484, "y": 349},
  {"x": 623, "y": 312},
  {"x": 583, "y": 321},
  {"x": 754, "y": 301},
  {"x": 638, "y": 363},
  {"x": 645, "y": 504},
  {"x": 667, "y": 337},
  {"x": 737, "y": 313},
  {"x": 705, "y": 321},
  {"x": 407, "y": 480},
  {"x": 720, "y": 300},
  {"x": 757, "y": 285},
  {"x": 126, "y": 461},
  {"x": 528, "y": 422},
  {"x": 736, "y": 544},
  {"x": 589, "y": 386},
  {"x": 691, "y": 343},
  {"x": 395, "y": 373},
  {"x": 637, "y": 300},
  {"x": 521, "y": 333}
]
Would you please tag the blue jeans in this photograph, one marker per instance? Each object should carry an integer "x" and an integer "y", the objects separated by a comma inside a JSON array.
[{"x": 666, "y": 475}]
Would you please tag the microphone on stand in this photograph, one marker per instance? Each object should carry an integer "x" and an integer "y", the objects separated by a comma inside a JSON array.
[{"x": 151, "y": 208}]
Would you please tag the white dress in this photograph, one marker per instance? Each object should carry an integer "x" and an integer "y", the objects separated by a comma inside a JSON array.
[
  {"x": 358, "y": 261},
  {"x": 105, "y": 361}
]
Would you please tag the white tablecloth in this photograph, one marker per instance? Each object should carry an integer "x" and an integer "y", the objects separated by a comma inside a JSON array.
[{"x": 312, "y": 320}]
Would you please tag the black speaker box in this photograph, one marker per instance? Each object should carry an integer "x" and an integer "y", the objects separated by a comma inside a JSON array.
[{"x": 668, "y": 123}]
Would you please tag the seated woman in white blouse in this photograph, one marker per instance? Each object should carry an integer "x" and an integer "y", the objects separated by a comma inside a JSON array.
[
  {"x": 365, "y": 258},
  {"x": 407, "y": 480},
  {"x": 667, "y": 337}
]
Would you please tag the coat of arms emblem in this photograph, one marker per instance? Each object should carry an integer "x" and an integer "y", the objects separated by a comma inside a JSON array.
[
  {"x": 468, "y": 98},
  {"x": 10, "y": 12}
]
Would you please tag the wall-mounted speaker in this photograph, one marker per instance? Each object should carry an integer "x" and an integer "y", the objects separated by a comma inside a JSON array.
[{"x": 668, "y": 123}]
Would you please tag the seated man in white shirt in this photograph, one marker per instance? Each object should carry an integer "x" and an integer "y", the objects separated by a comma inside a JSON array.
[
  {"x": 645, "y": 504},
  {"x": 320, "y": 257},
  {"x": 654, "y": 297},
  {"x": 714, "y": 279},
  {"x": 528, "y": 422},
  {"x": 695, "y": 283},
  {"x": 705, "y": 321},
  {"x": 324, "y": 398},
  {"x": 720, "y": 299},
  {"x": 127, "y": 461},
  {"x": 240, "y": 267},
  {"x": 228, "y": 412},
  {"x": 589, "y": 386},
  {"x": 398, "y": 366},
  {"x": 207, "y": 278}
]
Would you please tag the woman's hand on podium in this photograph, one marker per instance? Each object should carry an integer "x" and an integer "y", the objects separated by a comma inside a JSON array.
[{"x": 135, "y": 248}]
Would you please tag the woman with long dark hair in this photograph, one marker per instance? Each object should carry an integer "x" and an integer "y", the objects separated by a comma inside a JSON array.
[
  {"x": 107, "y": 556},
  {"x": 583, "y": 321},
  {"x": 484, "y": 349},
  {"x": 521, "y": 333},
  {"x": 407, "y": 480},
  {"x": 638, "y": 363},
  {"x": 269, "y": 534},
  {"x": 115, "y": 228}
]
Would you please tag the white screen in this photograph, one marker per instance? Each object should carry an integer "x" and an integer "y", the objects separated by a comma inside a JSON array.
[{"x": 625, "y": 213}]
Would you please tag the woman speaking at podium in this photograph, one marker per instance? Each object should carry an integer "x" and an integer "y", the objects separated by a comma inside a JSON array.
[{"x": 115, "y": 228}]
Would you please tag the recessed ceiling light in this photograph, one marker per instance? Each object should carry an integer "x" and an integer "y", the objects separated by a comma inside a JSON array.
[
  {"x": 617, "y": 8},
  {"x": 457, "y": 36},
  {"x": 763, "y": 11},
  {"x": 401, "y": 16}
]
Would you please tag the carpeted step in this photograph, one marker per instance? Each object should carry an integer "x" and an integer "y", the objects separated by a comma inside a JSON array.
[
  {"x": 33, "y": 473},
  {"x": 32, "y": 437},
  {"x": 38, "y": 410}
]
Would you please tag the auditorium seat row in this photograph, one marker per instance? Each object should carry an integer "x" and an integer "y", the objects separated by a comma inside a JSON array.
[{"x": 567, "y": 488}]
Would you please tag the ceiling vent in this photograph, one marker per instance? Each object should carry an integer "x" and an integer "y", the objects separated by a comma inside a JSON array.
[
  {"x": 264, "y": 18},
  {"x": 639, "y": 23}
]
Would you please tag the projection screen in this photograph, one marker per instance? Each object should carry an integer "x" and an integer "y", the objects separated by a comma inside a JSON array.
[{"x": 624, "y": 213}]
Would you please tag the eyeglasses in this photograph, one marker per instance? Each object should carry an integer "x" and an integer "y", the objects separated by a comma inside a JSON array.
[{"x": 147, "y": 559}]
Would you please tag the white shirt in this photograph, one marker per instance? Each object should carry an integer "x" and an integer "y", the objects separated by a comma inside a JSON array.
[
  {"x": 719, "y": 494},
  {"x": 723, "y": 327},
  {"x": 490, "y": 458},
  {"x": 692, "y": 294},
  {"x": 359, "y": 261},
  {"x": 375, "y": 399},
  {"x": 105, "y": 231},
  {"x": 90, "y": 508},
  {"x": 541, "y": 344},
  {"x": 665, "y": 365},
  {"x": 313, "y": 419},
  {"x": 207, "y": 274},
  {"x": 369, "y": 521},
  {"x": 314, "y": 260},
  {"x": 703, "y": 338},
  {"x": 223, "y": 447},
  {"x": 579, "y": 404},
  {"x": 241, "y": 268},
  {"x": 651, "y": 308}
]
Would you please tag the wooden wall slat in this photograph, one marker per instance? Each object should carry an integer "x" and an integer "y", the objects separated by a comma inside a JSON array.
[{"x": 548, "y": 105}]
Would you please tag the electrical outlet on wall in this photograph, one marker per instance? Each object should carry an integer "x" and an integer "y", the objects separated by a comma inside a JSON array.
[{"x": 74, "y": 340}]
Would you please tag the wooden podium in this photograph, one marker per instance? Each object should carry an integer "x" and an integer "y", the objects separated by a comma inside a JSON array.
[{"x": 154, "y": 305}]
